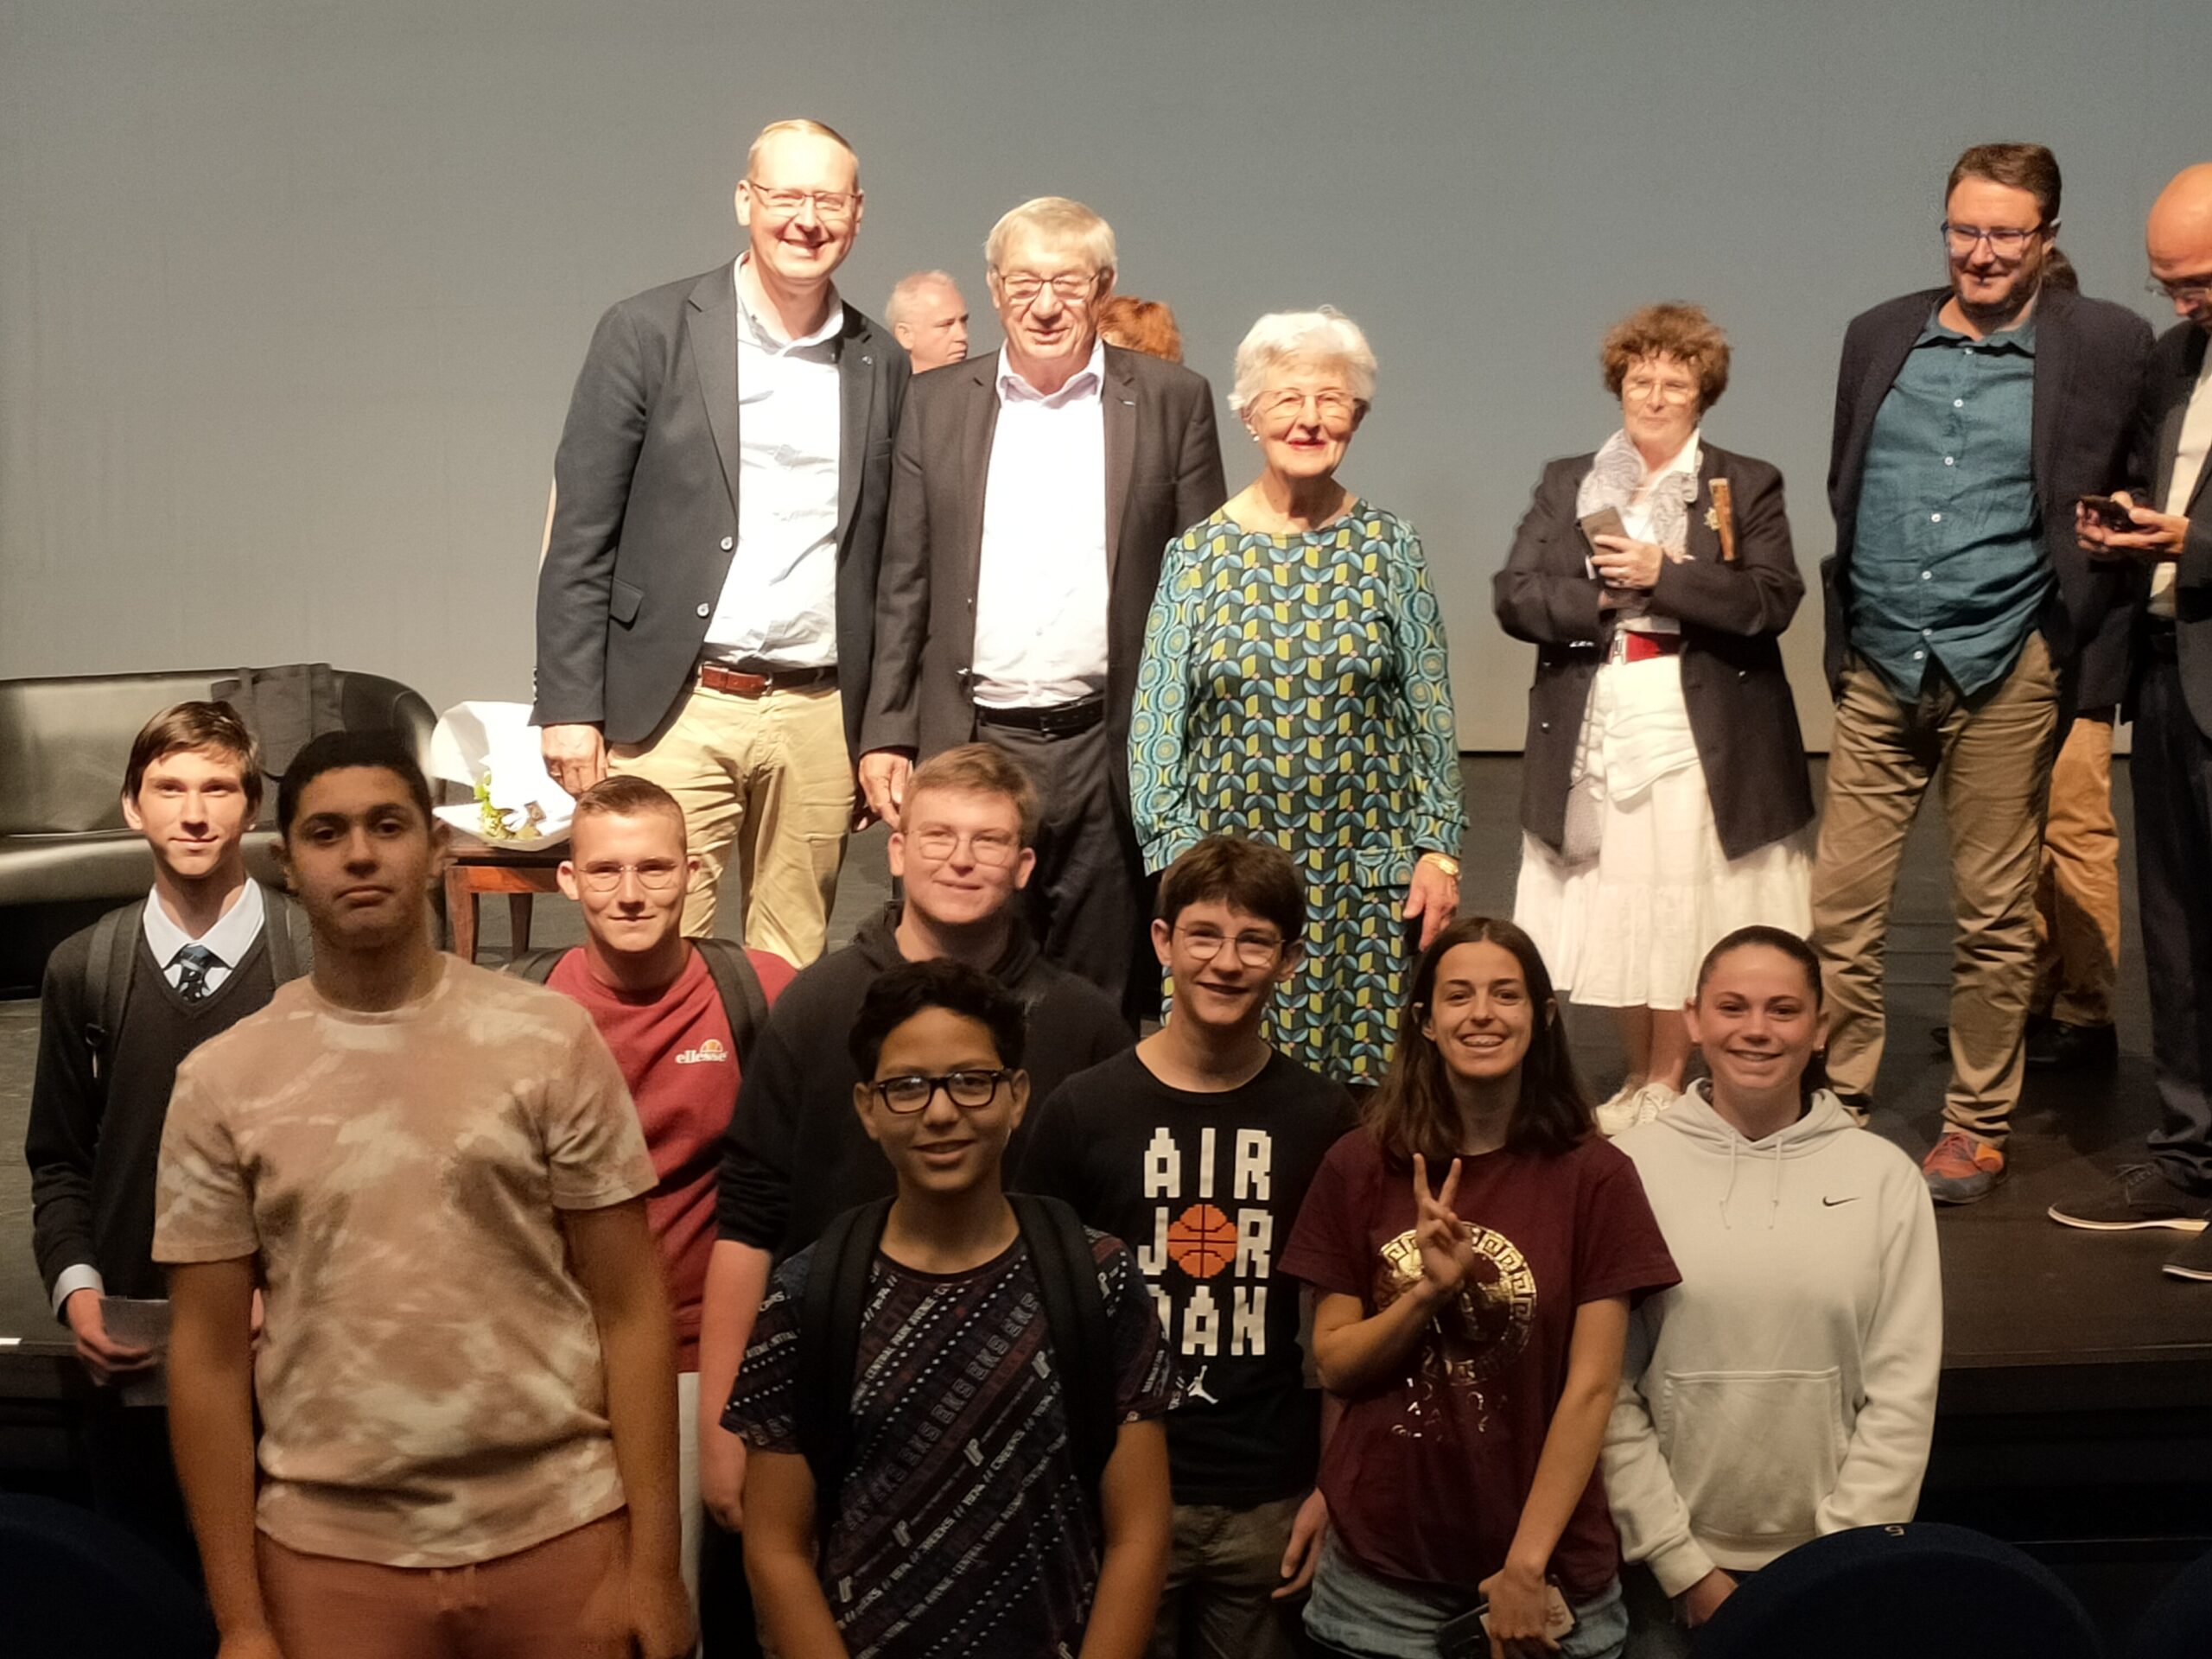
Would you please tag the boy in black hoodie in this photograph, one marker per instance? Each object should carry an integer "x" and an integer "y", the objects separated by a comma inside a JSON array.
[{"x": 796, "y": 1155}]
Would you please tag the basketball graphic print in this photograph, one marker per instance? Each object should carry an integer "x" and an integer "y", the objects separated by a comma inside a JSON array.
[{"x": 1202, "y": 1241}]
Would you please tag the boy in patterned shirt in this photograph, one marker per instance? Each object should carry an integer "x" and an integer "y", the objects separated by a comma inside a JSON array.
[
  {"x": 962, "y": 1522},
  {"x": 465, "y": 1381}
]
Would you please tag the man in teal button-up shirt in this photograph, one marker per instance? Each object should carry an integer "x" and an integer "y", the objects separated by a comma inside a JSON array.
[{"x": 1968, "y": 421}]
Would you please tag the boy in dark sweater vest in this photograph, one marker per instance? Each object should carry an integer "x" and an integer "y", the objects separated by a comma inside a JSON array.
[
  {"x": 123, "y": 1001},
  {"x": 1196, "y": 1146}
]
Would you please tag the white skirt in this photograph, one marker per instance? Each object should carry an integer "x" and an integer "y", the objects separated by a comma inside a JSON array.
[{"x": 1628, "y": 928}]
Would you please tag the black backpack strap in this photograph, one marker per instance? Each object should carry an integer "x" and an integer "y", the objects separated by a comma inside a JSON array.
[
  {"x": 743, "y": 1000},
  {"x": 538, "y": 966},
  {"x": 1075, "y": 1316},
  {"x": 107, "y": 965},
  {"x": 291, "y": 942},
  {"x": 830, "y": 1309}
]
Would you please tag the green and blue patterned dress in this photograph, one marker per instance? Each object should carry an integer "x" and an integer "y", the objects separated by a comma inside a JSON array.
[{"x": 1294, "y": 689}]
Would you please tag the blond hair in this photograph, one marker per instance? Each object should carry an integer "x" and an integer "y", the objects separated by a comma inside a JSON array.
[
  {"x": 801, "y": 124},
  {"x": 1056, "y": 220}
]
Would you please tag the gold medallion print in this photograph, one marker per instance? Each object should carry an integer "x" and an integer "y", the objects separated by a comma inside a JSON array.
[{"x": 1472, "y": 1338}]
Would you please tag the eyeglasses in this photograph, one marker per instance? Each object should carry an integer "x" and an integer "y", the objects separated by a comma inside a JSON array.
[
  {"x": 1334, "y": 410},
  {"x": 969, "y": 1090},
  {"x": 1253, "y": 949},
  {"x": 2005, "y": 242},
  {"x": 2191, "y": 293},
  {"x": 1022, "y": 287},
  {"x": 996, "y": 848},
  {"x": 1670, "y": 391},
  {"x": 654, "y": 875},
  {"x": 830, "y": 206}
]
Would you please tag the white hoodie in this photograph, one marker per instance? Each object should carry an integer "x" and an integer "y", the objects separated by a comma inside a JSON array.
[{"x": 1786, "y": 1388}]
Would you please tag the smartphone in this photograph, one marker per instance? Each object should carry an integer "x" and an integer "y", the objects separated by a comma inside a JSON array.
[
  {"x": 2109, "y": 512},
  {"x": 1468, "y": 1636},
  {"x": 1606, "y": 521}
]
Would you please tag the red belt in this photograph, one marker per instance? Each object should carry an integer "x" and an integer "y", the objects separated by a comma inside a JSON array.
[
  {"x": 1637, "y": 646},
  {"x": 717, "y": 677}
]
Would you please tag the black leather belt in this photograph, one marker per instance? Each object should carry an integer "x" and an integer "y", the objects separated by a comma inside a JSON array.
[
  {"x": 744, "y": 682},
  {"x": 2159, "y": 634},
  {"x": 1054, "y": 720}
]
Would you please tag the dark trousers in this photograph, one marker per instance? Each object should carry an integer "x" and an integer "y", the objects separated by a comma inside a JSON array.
[
  {"x": 1087, "y": 898},
  {"x": 134, "y": 1482},
  {"x": 2172, "y": 775}
]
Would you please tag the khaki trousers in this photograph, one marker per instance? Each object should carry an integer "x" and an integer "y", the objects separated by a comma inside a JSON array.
[
  {"x": 2077, "y": 895},
  {"x": 768, "y": 778},
  {"x": 1995, "y": 752}
]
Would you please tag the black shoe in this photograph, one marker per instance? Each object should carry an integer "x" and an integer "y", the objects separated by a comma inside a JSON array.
[
  {"x": 2139, "y": 1196},
  {"x": 2193, "y": 1260},
  {"x": 2057, "y": 1046}
]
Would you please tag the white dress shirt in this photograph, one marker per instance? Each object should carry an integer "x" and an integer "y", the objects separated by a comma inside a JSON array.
[
  {"x": 778, "y": 603},
  {"x": 1041, "y": 588},
  {"x": 229, "y": 939},
  {"x": 2189, "y": 467},
  {"x": 1637, "y": 517}
]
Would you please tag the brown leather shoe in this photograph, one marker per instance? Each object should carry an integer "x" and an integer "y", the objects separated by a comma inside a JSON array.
[{"x": 1961, "y": 1168}]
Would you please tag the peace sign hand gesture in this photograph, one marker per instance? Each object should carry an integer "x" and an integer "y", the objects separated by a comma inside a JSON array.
[{"x": 1446, "y": 1251}]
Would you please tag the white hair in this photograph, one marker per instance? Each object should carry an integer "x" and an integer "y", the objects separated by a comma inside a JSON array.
[
  {"x": 1059, "y": 221},
  {"x": 909, "y": 288},
  {"x": 1323, "y": 336}
]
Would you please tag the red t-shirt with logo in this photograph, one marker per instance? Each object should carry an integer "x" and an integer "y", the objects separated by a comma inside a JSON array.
[
  {"x": 678, "y": 1056},
  {"x": 1427, "y": 1471}
]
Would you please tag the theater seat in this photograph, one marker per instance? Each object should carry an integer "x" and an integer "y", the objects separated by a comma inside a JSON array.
[
  {"x": 1924, "y": 1591},
  {"x": 2178, "y": 1624},
  {"x": 74, "y": 1586}
]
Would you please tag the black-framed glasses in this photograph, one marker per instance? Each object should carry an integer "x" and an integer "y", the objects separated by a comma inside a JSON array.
[
  {"x": 996, "y": 848},
  {"x": 1253, "y": 949},
  {"x": 970, "y": 1089},
  {"x": 2004, "y": 241},
  {"x": 2193, "y": 292},
  {"x": 654, "y": 875}
]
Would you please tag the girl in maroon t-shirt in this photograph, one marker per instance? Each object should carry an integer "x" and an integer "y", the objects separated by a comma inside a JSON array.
[{"x": 1475, "y": 1246}]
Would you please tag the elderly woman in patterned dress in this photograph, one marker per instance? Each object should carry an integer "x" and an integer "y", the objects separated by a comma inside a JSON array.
[{"x": 1294, "y": 689}]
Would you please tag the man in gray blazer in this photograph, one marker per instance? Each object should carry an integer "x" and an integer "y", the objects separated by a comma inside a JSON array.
[
  {"x": 706, "y": 610},
  {"x": 2171, "y": 767},
  {"x": 1032, "y": 494}
]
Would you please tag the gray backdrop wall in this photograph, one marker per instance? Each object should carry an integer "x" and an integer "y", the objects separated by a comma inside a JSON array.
[{"x": 292, "y": 292}]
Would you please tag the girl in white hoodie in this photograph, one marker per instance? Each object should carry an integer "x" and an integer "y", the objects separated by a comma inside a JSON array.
[{"x": 1786, "y": 1388}]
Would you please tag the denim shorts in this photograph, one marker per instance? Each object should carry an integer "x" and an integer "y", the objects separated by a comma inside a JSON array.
[{"x": 1356, "y": 1613}]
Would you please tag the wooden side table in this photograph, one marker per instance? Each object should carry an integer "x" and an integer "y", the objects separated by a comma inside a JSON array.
[{"x": 482, "y": 867}]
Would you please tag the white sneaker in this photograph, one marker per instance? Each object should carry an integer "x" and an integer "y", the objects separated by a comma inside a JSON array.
[{"x": 1625, "y": 1110}]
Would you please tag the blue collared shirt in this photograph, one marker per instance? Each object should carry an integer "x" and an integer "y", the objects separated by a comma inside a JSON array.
[{"x": 1948, "y": 565}]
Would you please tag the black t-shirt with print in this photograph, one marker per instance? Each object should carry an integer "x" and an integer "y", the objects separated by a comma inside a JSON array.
[{"x": 1204, "y": 1188}]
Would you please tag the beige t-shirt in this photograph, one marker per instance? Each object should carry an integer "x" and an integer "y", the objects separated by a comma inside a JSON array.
[{"x": 429, "y": 1377}]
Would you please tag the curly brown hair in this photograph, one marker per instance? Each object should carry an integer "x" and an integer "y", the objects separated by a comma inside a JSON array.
[{"x": 1675, "y": 329}]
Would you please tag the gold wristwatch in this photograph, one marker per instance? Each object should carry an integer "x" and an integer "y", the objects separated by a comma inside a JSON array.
[{"x": 1445, "y": 862}]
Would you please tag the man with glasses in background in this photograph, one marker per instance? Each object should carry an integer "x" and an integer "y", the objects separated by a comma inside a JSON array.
[
  {"x": 2169, "y": 549},
  {"x": 1969, "y": 419},
  {"x": 1034, "y": 493},
  {"x": 796, "y": 1155},
  {"x": 706, "y": 607}
]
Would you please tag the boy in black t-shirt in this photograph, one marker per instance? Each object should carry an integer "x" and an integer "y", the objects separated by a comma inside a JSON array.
[
  {"x": 1198, "y": 1146},
  {"x": 957, "y": 1500}
]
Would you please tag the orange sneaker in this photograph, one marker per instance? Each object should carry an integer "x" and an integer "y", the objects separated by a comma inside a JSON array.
[{"x": 1962, "y": 1167}]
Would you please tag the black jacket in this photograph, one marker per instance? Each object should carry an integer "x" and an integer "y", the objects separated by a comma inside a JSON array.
[
  {"x": 2176, "y": 362},
  {"x": 796, "y": 1155},
  {"x": 1740, "y": 710},
  {"x": 645, "y": 508},
  {"x": 2088, "y": 383}
]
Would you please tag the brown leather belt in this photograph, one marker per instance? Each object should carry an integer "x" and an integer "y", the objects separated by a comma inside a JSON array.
[
  {"x": 1055, "y": 719},
  {"x": 720, "y": 677}
]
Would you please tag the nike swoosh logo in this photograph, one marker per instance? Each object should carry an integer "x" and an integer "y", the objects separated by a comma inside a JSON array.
[{"x": 1830, "y": 1204}]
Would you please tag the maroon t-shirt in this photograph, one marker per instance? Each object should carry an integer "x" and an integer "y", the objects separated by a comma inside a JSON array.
[{"x": 1426, "y": 1473}]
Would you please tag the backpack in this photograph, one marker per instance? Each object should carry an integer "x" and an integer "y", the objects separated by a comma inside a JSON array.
[
  {"x": 835, "y": 1301},
  {"x": 744, "y": 1003},
  {"x": 115, "y": 944}
]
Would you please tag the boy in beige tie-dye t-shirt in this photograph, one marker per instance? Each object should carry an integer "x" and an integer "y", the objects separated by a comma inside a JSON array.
[{"x": 430, "y": 1375}]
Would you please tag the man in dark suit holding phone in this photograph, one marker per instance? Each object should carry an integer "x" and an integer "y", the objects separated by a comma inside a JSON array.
[
  {"x": 2165, "y": 535},
  {"x": 1968, "y": 420},
  {"x": 1034, "y": 492}
]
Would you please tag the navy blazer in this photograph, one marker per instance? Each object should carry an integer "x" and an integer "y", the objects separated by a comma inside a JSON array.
[
  {"x": 645, "y": 509},
  {"x": 2089, "y": 360},
  {"x": 1741, "y": 713}
]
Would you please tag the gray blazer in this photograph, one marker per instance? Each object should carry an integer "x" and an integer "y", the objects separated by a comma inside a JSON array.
[
  {"x": 645, "y": 513},
  {"x": 1163, "y": 474},
  {"x": 2175, "y": 361}
]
